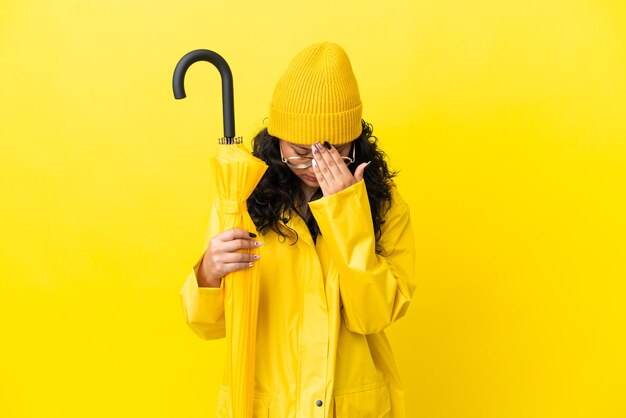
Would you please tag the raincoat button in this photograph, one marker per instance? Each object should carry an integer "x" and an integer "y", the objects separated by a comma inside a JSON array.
[{"x": 319, "y": 403}]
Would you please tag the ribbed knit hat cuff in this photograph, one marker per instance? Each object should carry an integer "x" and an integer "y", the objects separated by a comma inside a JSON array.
[{"x": 305, "y": 129}]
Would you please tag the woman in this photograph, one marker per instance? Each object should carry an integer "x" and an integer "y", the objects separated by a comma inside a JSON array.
[{"x": 334, "y": 248}]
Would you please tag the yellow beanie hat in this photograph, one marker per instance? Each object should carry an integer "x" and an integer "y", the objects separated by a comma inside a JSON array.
[{"x": 317, "y": 98}]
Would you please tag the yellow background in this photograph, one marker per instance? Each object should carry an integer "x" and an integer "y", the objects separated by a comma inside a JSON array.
[{"x": 507, "y": 120}]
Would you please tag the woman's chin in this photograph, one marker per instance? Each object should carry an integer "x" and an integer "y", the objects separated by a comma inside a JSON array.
[{"x": 310, "y": 182}]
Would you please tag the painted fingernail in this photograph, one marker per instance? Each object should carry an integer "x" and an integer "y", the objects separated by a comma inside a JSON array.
[
  {"x": 327, "y": 145},
  {"x": 314, "y": 163},
  {"x": 252, "y": 234},
  {"x": 256, "y": 256},
  {"x": 314, "y": 149},
  {"x": 250, "y": 263},
  {"x": 257, "y": 243},
  {"x": 368, "y": 163}
]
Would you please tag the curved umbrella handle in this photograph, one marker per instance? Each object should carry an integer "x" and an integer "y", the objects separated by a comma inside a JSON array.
[{"x": 228, "y": 107}]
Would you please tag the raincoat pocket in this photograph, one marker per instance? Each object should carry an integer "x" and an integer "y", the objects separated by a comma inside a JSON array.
[
  {"x": 365, "y": 402},
  {"x": 260, "y": 408}
]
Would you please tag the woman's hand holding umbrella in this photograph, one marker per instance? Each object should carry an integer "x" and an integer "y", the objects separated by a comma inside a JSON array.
[{"x": 224, "y": 255}]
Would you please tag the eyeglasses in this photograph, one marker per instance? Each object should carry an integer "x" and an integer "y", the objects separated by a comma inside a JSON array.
[{"x": 306, "y": 162}]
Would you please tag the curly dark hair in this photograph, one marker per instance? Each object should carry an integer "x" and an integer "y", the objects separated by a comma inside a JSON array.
[{"x": 279, "y": 188}]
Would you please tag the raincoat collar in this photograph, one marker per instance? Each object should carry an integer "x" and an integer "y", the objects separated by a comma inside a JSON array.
[{"x": 295, "y": 222}]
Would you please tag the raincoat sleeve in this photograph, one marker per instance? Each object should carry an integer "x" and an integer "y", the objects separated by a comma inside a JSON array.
[
  {"x": 375, "y": 289},
  {"x": 203, "y": 307}
]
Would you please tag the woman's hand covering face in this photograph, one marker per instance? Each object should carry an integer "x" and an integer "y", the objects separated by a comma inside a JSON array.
[{"x": 331, "y": 171}]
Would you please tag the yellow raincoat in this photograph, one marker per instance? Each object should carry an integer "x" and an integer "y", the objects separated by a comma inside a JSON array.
[{"x": 321, "y": 348}]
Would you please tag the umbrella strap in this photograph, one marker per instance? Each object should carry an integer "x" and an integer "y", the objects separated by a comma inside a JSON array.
[{"x": 233, "y": 206}]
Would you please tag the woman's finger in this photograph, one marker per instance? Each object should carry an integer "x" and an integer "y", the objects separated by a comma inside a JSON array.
[
  {"x": 358, "y": 173},
  {"x": 320, "y": 178},
  {"x": 339, "y": 162},
  {"x": 322, "y": 164},
  {"x": 239, "y": 258},
  {"x": 232, "y": 267},
  {"x": 238, "y": 244},
  {"x": 328, "y": 160},
  {"x": 235, "y": 233}
]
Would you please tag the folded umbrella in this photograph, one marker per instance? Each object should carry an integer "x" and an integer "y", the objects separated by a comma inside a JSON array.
[{"x": 236, "y": 173}]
